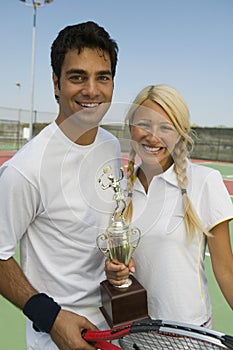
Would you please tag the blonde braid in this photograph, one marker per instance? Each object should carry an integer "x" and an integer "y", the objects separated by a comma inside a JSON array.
[
  {"x": 179, "y": 156},
  {"x": 191, "y": 218},
  {"x": 128, "y": 214}
]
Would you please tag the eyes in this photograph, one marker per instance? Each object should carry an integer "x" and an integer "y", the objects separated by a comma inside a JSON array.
[
  {"x": 80, "y": 76},
  {"x": 161, "y": 126},
  {"x": 75, "y": 78},
  {"x": 81, "y": 79}
]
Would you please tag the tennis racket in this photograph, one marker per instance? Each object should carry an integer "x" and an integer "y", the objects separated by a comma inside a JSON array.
[{"x": 157, "y": 334}]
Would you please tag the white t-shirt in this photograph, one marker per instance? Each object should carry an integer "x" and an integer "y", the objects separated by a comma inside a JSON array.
[
  {"x": 52, "y": 202},
  {"x": 171, "y": 269}
]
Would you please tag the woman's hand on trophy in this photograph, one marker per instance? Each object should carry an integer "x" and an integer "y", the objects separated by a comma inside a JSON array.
[{"x": 117, "y": 273}]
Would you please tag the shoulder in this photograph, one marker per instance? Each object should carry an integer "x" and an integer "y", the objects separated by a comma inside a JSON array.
[
  {"x": 109, "y": 141},
  {"x": 209, "y": 195},
  {"x": 27, "y": 160},
  {"x": 207, "y": 184},
  {"x": 34, "y": 145},
  {"x": 203, "y": 173},
  {"x": 103, "y": 133}
]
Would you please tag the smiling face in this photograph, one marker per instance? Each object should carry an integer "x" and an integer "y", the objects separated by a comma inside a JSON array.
[
  {"x": 153, "y": 135},
  {"x": 85, "y": 87}
]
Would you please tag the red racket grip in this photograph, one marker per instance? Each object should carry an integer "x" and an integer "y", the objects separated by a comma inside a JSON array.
[{"x": 109, "y": 334}]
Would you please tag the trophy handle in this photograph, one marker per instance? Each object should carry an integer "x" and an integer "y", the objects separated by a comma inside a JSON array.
[
  {"x": 100, "y": 240},
  {"x": 137, "y": 232}
]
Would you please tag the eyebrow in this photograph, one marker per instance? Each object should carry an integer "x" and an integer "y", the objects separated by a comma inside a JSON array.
[
  {"x": 104, "y": 72},
  {"x": 161, "y": 122},
  {"x": 151, "y": 120},
  {"x": 75, "y": 71},
  {"x": 166, "y": 122},
  {"x": 83, "y": 72}
]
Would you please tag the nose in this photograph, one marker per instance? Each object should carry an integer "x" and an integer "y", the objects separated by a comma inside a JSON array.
[
  {"x": 153, "y": 133},
  {"x": 90, "y": 88}
]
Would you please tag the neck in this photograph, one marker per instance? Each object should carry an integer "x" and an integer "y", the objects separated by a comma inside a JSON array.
[
  {"x": 146, "y": 172},
  {"x": 79, "y": 134}
]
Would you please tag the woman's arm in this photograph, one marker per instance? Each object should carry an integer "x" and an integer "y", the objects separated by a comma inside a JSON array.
[{"x": 222, "y": 259}]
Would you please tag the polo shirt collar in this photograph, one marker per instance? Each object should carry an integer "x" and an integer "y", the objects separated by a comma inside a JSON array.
[{"x": 169, "y": 176}]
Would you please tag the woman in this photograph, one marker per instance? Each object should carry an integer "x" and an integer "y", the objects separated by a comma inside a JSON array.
[{"x": 180, "y": 207}]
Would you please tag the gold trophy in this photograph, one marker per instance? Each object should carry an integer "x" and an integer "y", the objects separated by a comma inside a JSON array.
[{"x": 127, "y": 302}]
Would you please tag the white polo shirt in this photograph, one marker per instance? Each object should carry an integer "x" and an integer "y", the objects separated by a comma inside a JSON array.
[
  {"x": 170, "y": 268},
  {"x": 52, "y": 202}
]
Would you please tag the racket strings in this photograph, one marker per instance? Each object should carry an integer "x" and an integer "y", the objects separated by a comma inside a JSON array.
[{"x": 155, "y": 340}]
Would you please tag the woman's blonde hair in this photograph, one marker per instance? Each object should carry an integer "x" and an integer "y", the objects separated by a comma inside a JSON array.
[{"x": 175, "y": 107}]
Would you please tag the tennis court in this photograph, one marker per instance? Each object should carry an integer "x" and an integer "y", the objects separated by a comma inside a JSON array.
[{"x": 12, "y": 321}]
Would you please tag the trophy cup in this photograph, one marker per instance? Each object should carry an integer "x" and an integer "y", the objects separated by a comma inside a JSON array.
[{"x": 127, "y": 302}]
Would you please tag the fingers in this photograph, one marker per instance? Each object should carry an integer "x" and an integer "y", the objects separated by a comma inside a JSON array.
[
  {"x": 67, "y": 331},
  {"x": 114, "y": 266},
  {"x": 131, "y": 266},
  {"x": 117, "y": 273},
  {"x": 87, "y": 324}
]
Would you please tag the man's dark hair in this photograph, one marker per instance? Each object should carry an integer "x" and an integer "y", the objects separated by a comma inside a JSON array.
[{"x": 80, "y": 36}]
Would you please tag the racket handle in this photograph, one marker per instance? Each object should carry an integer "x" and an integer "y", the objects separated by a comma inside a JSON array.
[
  {"x": 90, "y": 337},
  {"x": 108, "y": 334}
]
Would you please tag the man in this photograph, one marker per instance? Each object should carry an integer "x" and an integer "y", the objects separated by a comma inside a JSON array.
[{"x": 51, "y": 201}]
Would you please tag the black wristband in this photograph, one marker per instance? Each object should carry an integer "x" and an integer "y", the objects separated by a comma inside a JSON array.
[{"x": 42, "y": 310}]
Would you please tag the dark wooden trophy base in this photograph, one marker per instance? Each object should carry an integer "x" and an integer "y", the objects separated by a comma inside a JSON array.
[{"x": 123, "y": 305}]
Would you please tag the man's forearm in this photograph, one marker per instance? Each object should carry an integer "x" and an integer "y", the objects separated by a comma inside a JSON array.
[{"x": 14, "y": 285}]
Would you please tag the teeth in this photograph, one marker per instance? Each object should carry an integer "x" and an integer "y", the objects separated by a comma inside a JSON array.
[
  {"x": 151, "y": 149},
  {"x": 89, "y": 105}
]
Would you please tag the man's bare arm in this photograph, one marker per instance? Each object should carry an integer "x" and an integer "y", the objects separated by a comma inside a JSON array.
[{"x": 14, "y": 286}]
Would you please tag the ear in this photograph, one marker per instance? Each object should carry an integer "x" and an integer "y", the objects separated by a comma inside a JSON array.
[{"x": 56, "y": 85}]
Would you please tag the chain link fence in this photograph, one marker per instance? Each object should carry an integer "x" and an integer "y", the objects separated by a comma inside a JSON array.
[
  {"x": 14, "y": 126},
  {"x": 211, "y": 143}
]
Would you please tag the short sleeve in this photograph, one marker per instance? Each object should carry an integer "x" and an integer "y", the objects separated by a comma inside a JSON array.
[
  {"x": 215, "y": 202},
  {"x": 18, "y": 206}
]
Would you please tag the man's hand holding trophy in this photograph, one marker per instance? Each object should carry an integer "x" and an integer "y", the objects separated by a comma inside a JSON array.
[{"x": 127, "y": 302}]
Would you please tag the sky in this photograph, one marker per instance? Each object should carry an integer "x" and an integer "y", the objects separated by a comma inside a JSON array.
[{"x": 184, "y": 43}]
